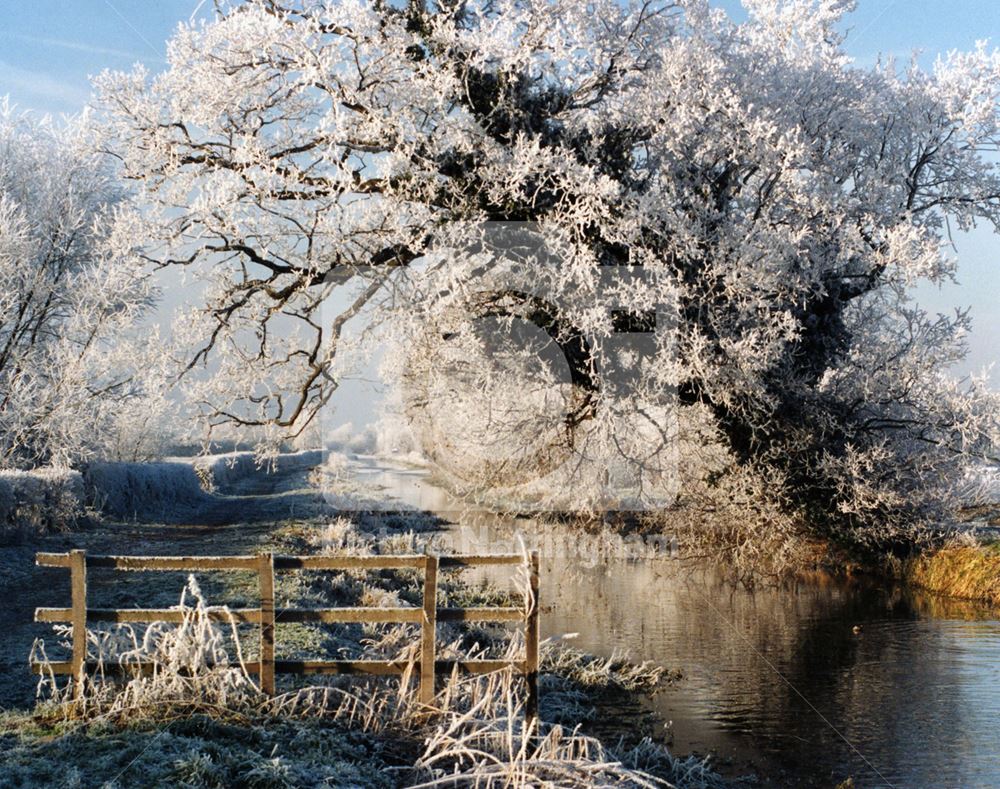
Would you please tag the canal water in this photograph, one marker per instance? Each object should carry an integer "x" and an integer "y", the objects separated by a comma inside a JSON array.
[{"x": 805, "y": 685}]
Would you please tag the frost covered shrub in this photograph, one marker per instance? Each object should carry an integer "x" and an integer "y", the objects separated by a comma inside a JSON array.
[
  {"x": 340, "y": 537},
  {"x": 217, "y": 471},
  {"x": 126, "y": 490},
  {"x": 42, "y": 500}
]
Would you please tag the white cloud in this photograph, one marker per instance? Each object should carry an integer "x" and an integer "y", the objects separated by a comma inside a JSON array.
[
  {"x": 40, "y": 90},
  {"x": 74, "y": 45}
]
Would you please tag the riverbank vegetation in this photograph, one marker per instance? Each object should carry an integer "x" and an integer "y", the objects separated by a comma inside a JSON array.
[{"x": 969, "y": 571}]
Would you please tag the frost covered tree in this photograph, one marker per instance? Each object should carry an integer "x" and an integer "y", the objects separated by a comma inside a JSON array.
[
  {"x": 317, "y": 161},
  {"x": 72, "y": 383}
]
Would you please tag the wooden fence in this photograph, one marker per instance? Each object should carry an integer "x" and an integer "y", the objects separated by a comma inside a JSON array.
[{"x": 267, "y": 616}]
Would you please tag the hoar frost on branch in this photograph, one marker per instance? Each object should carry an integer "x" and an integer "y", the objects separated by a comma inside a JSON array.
[
  {"x": 75, "y": 380},
  {"x": 778, "y": 199}
]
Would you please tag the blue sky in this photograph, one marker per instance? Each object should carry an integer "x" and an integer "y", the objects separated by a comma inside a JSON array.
[{"x": 49, "y": 49}]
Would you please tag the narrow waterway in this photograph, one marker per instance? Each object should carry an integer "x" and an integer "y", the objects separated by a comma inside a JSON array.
[{"x": 807, "y": 684}]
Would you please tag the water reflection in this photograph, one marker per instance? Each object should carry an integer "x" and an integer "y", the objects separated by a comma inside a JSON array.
[
  {"x": 809, "y": 684},
  {"x": 779, "y": 677}
]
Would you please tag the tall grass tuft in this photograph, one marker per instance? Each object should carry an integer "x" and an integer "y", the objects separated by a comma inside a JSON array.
[{"x": 160, "y": 671}]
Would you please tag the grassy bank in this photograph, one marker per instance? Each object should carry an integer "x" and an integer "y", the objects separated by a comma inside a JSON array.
[
  {"x": 755, "y": 550},
  {"x": 197, "y": 751},
  {"x": 966, "y": 572}
]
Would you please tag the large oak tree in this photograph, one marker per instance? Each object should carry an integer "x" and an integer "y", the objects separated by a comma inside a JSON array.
[{"x": 780, "y": 199}]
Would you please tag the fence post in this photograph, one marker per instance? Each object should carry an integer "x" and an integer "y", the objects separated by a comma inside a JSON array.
[
  {"x": 266, "y": 571},
  {"x": 428, "y": 630},
  {"x": 78, "y": 591},
  {"x": 531, "y": 645}
]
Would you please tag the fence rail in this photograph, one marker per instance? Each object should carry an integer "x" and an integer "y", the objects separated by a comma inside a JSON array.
[{"x": 267, "y": 616}]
